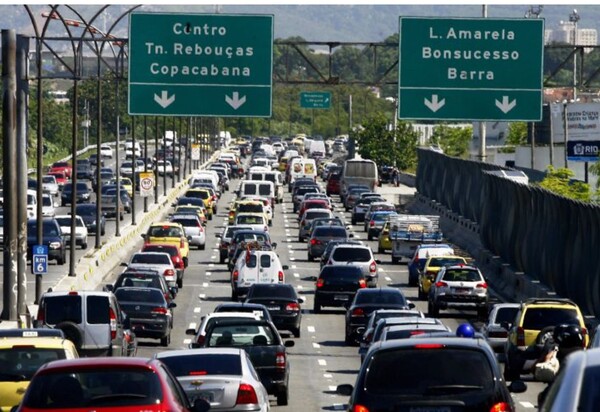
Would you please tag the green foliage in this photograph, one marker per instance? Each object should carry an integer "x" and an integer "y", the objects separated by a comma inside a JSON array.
[
  {"x": 559, "y": 182},
  {"x": 385, "y": 146},
  {"x": 453, "y": 140}
]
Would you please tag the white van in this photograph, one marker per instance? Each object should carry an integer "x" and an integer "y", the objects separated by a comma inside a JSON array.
[
  {"x": 255, "y": 266},
  {"x": 258, "y": 188},
  {"x": 205, "y": 174},
  {"x": 302, "y": 167},
  {"x": 271, "y": 176}
]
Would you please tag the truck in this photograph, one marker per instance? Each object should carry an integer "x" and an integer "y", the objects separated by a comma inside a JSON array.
[
  {"x": 359, "y": 172},
  {"x": 409, "y": 231}
]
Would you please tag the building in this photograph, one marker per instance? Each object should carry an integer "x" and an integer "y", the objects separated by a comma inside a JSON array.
[{"x": 566, "y": 34}]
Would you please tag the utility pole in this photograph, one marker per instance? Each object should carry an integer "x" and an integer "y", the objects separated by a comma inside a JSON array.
[{"x": 482, "y": 131}]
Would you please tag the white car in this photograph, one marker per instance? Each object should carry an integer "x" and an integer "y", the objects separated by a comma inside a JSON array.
[
  {"x": 50, "y": 185},
  {"x": 48, "y": 205},
  {"x": 106, "y": 151},
  {"x": 164, "y": 167},
  {"x": 81, "y": 232},
  {"x": 255, "y": 266},
  {"x": 192, "y": 226},
  {"x": 208, "y": 320},
  {"x": 159, "y": 261}
]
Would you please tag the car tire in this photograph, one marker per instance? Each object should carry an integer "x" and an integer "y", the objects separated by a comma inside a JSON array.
[
  {"x": 380, "y": 250},
  {"x": 422, "y": 295},
  {"x": 353, "y": 221},
  {"x": 61, "y": 260},
  {"x": 296, "y": 332},
  {"x": 509, "y": 374},
  {"x": 103, "y": 232},
  {"x": 180, "y": 282},
  {"x": 310, "y": 258},
  {"x": 282, "y": 397},
  {"x": 369, "y": 237},
  {"x": 234, "y": 296},
  {"x": 72, "y": 332},
  {"x": 165, "y": 341},
  {"x": 84, "y": 246},
  {"x": 412, "y": 281},
  {"x": 317, "y": 307},
  {"x": 300, "y": 239},
  {"x": 348, "y": 340},
  {"x": 209, "y": 216},
  {"x": 221, "y": 259},
  {"x": 203, "y": 247},
  {"x": 394, "y": 260},
  {"x": 432, "y": 310}
]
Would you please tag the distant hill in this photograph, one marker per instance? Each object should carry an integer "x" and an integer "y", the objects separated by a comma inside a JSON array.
[{"x": 351, "y": 23}]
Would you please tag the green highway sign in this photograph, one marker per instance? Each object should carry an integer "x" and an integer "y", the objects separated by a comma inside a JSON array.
[
  {"x": 200, "y": 65},
  {"x": 470, "y": 69},
  {"x": 315, "y": 100}
]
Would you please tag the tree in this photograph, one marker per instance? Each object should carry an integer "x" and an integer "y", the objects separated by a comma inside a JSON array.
[
  {"x": 516, "y": 136},
  {"x": 559, "y": 181},
  {"x": 385, "y": 146},
  {"x": 454, "y": 141}
]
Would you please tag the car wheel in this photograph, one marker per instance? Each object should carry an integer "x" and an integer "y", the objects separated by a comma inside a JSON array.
[
  {"x": 103, "y": 232},
  {"x": 166, "y": 340},
  {"x": 380, "y": 250},
  {"x": 296, "y": 332},
  {"x": 432, "y": 310},
  {"x": 234, "y": 296},
  {"x": 394, "y": 259},
  {"x": 310, "y": 258},
  {"x": 369, "y": 237},
  {"x": 282, "y": 397},
  {"x": 509, "y": 374},
  {"x": 202, "y": 247},
  {"x": 210, "y": 216},
  {"x": 348, "y": 340},
  {"x": 412, "y": 281},
  {"x": 84, "y": 245},
  {"x": 300, "y": 239},
  {"x": 221, "y": 259},
  {"x": 180, "y": 282},
  {"x": 353, "y": 221},
  {"x": 61, "y": 260},
  {"x": 317, "y": 307}
]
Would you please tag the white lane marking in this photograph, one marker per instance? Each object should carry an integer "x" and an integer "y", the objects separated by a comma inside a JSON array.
[
  {"x": 380, "y": 270},
  {"x": 527, "y": 404},
  {"x": 300, "y": 287},
  {"x": 208, "y": 273},
  {"x": 286, "y": 225},
  {"x": 327, "y": 375},
  {"x": 332, "y": 388},
  {"x": 192, "y": 325},
  {"x": 289, "y": 240},
  {"x": 202, "y": 296},
  {"x": 216, "y": 249},
  {"x": 311, "y": 329},
  {"x": 388, "y": 279},
  {"x": 205, "y": 285},
  {"x": 357, "y": 237},
  {"x": 316, "y": 345},
  {"x": 296, "y": 275},
  {"x": 294, "y": 267},
  {"x": 213, "y": 257},
  {"x": 322, "y": 362},
  {"x": 292, "y": 259},
  {"x": 290, "y": 246},
  {"x": 211, "y": 265},
  {"x": 291, "y": 252},
  {"x": 197, "y": 309},
  {"x": 187, "y": 341}
]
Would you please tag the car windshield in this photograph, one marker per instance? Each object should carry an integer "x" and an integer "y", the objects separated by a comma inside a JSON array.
[
  {"x": 351, "y": 254},
  {"x": 98, "y": 387},
  {"x": 462, "y": 275},
  {"x": 151, "y": 258},
  {"x": 332, "y": 231},
  {"x": 540, "y": 318},
  {"x": 429, "y": 372},
  {"x": 380, "y": 297},
  {"x": 241, "y": 334},
  {"x": 204, "y": 364}
]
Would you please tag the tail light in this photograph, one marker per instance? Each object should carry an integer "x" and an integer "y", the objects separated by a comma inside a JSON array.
[
  {"x": 231, "y": 213},
  {"x": 113, "y": 323},
  {"x": 358, "y": 312},
  {"x": 303, "y": 223},
  {"x": 372, "y": 223},
  {"x": 235, "y": 275},
  {"x": 373, "y": 267},
  {"x": 360, "y": 408},
  {"x": 200, "y": 340},
  {"x": 246, "y": 395},
  {"x": 280, "y": 360},
  {"x": 361, "y": 284},
  {"x": 320, "y": 283},
  {"x": 169, "y": 274},
  {"x": 177, "y": 262},
  {"x": 160, "y": 310},
  {"x": 520, "y": 336},
  {"x": 214, "y": 198},
  {"x": 440, "y": 284},
  {"x": 315, "y": 242},
  {"x": 41, "y": 315},
  {"x": 481, "y": 285},
  {"x": 280, "y": 274},
  {"x": 182, "y": 243},
  {"x": 294, "y": 307},
  {"x": 501, "y": 407}
]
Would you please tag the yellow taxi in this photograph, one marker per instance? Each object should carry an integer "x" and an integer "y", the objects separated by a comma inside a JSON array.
[
  {"x": 169, "y": 233},
  {"x": 246, "y": 206},
  {"x": 127, "y": 185},
  {"x": 384, "y": 242},
  {"x": 283, "y": 163},
  {"x": 22, "y": 353},
  {"x": 198, "y": 210},
  {"x": 432, "y": 266},
  {"x": 206, "y": 196}
]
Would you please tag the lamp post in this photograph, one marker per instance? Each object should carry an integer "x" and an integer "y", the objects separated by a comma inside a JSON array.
[{"x": 574, "y": 18}]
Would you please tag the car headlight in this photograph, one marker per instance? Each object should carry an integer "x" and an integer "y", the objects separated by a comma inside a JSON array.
[{"x": 55, "y": 245}]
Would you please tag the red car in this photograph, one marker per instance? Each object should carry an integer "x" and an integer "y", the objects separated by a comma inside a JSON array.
[
  {"x": 64, "y": 167},
  {"x": 313, "y": 204},
  {"x": 107, "y": 384},
  {"x": 61, "y": 177},
  {"x": 333, "y": 184}
]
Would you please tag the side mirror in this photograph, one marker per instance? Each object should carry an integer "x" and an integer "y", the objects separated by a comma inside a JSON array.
[
  {"x": 172, "y": 305},
  {"x": 301, "y": 299},
  {"x": 108, "y": 288},
  {"x": 517, "y": 386},
  {"x": 123, "y": 264},
  {"x": 190, "y": 331},
  {"x": 289, "y": 343},
  {"x": 378, "y": 261},
  {"x": 345, "y": 389},
  {"x": 410, "y": 304},
  {"x": 285, "y": 267}
]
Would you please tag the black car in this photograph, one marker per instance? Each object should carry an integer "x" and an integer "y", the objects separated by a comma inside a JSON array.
[
  {"x": 336, "y": 286},
  {"x": 144, "y": 278},
  {"x": 244, "y": 308},
  {"x": 281, "y": 301},
  {"x": 266, "y": 349},
  {"x": 149, "y": 313},
  {"x": 321, "y": 236},
  {"x": 366, "y": 301},
  {"x": 385, "y": 174},
  {"x": 431, "y": 373},
  {"x": 87, "y": 211},
  {"x": 82, "y": 194},
  {"x": 52, "y": 238}
]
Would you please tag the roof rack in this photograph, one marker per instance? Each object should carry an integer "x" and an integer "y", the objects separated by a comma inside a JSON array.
[{"x": 549, "y": 300}]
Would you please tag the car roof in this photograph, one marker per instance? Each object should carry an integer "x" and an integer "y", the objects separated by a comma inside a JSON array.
[
  {"x": 200, "y": 351},
  {"x": 99, "y": 363},
  {"x": 444, "y": 341}
]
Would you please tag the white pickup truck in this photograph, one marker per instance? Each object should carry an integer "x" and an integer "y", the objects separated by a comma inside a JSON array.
[{"x": 409, "y": 231}]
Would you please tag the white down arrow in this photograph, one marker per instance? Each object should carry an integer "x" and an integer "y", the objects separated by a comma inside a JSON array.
[
  {"x": 235, "y": 101},
  {"x": 163, "y": 99},
  {"x": 434, "y": 105},
  {"x": 505, "y": 105}
]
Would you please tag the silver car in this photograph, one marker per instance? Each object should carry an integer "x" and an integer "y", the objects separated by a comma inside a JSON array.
[
  {"x": 358, "y": 255},
  {"x": 159, "y": 261},
  {"x": 50, "y": 185},
  {"x": 306, "y": 221},
  {"x": 228, "y": 379},
  {"x": 194, "y": 231},
  {"x": 494, "y": 329}
]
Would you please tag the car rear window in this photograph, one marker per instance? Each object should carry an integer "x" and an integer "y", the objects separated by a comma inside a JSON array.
[
  {"x": 304, "y": 190},
  {"x": 351, "y": 254},
  {"x": 49, "y": 227},
  {"x": 380, "y": 297},
  {"x": 250, "y": 220},
  {"x": 186, "y": 222},
  {"x": 97, "y": 308},
  {"x": 333, "y": 231},
  {"x": 315, "y": 214},
  {"x": 164, "y": 231},
  {"x": 172, "y": 251},
  {"x": 439, "y": 262},
  {"x": 258, "y": 291},
  {"x": 63, "y": 308},
  {"x": 506, "y": 315},
  {"x": 407, "y": 333},
  {"x": 462, "y": 275},
  {"x": 139, "y": 280},
  {"x": 202, "y": 365},
  {"x": 428, "y": 372},
  {"x": 539, "y": 318},
  {"x": 148, "y": 295},
  {"x": 241, "y": 334},
  {"x": 151, "y": 258},
  {"x": 95, "y": 388},
  {"x": 264, "y": 190},
  {"x": 250, "y": 209}
]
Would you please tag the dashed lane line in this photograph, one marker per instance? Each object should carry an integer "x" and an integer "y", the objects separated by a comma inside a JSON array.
[
  {"x": 316, "y": 345},
  {"x": 310, "y": 329},
  {"x": 526, "y": 404},
  {"x": 322, "y": 362},
  {"x": 197, "y": 309}
]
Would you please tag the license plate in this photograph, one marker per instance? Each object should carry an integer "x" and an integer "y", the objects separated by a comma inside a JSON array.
[
  {"x": 462, "y": 291},
  {"x": 340, "y": 297},
  {"x": 207, "y": 396},
  {"x": 430, "y": 409},
  {"x": 272, "y": 307}
]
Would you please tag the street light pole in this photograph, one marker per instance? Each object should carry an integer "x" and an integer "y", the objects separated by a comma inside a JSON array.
[{"x": 574, "y": 18}]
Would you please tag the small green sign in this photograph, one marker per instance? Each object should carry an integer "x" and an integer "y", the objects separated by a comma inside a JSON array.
[
  {"x": 200, "y": 64},
  {"x": 470, "y": 69},
  {"x": 315, "y": 100}
]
